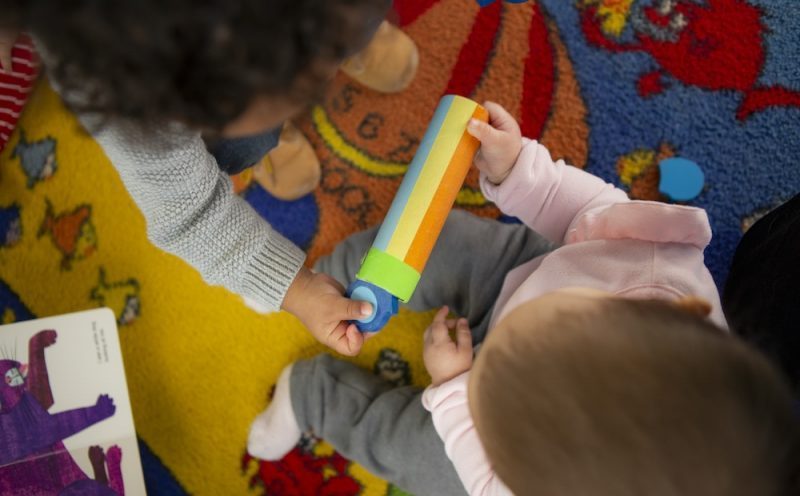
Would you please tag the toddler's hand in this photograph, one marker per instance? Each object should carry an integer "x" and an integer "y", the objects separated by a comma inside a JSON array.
[
  {"x": 443, "y": 357},
  {"x": 318, "y": 301},
  {"x": 500, "y": 140},
  {"x": 8, "y": 37}
]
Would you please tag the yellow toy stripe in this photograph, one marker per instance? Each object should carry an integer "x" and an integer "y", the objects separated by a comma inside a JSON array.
[
  {"x": 467, "y": 197},
  {"x": 432, "y": 172}
]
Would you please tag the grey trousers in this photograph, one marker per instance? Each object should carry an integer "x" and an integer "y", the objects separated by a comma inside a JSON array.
[{"x": 384, "y": 428}]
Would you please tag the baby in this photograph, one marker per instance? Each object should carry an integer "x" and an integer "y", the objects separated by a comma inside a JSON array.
[{"x": 606, "y": 369}]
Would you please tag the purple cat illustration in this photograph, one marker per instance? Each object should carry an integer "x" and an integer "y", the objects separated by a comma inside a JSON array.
[{"x": 33, "y": 459}]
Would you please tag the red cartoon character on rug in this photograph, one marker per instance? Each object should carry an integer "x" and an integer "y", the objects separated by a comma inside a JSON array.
[
  {"x": 712, "y": 44},
  {"x": 302, "y": 472}
]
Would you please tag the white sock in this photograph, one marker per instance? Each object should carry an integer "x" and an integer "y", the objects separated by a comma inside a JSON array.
[{"x": 275, "y": 431}]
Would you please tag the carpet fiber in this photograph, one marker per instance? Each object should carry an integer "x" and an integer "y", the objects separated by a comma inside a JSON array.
[{"x": 613, "y": 86}]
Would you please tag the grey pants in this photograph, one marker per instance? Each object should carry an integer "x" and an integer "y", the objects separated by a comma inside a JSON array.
[{"x": 386, "y": 429}]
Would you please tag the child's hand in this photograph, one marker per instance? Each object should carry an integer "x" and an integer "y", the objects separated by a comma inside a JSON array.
[
  {"x": 444, "y": 358},
  {"x": 500, "y": 140},
  {"x": 318, "y": 301},
  {"x": 8, "y": 37}
]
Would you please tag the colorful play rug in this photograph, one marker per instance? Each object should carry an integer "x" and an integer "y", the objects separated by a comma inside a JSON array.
[{"x": 613, "y": 86}]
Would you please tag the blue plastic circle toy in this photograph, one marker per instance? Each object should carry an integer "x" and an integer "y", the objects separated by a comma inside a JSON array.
[
  {"x": 384, "y": 305},
  {"x": 681, "y": 179}
]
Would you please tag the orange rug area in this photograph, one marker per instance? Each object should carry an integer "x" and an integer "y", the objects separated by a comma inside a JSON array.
[
  {"x": 613, "y": 86},
  {"x": 365, "y": 139}
]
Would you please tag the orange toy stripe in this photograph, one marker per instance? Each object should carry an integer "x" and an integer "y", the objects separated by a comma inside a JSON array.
[{"x": 434, "y": 219}]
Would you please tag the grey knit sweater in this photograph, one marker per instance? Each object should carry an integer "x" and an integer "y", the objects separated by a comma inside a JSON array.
[
  {"x": 190, "y": 207},
  {"x": 192, "y": 212}
]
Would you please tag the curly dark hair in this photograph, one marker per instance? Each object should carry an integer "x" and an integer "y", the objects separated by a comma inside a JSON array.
[{"x": 196, "y": 61}]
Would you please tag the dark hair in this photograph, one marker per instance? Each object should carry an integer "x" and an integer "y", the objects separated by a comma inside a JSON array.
[
  {"x": 197, "y": 61},
  {"x": 762, "y": 294}
]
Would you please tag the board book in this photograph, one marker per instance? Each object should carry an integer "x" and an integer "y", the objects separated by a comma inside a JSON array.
[{"x": 66, "y": 426}]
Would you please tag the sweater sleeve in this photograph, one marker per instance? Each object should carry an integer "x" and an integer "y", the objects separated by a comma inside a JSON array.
[
  {"x": 547, "y": 196},
  {"x": 453, "y": 422},
  {"x": 192, "y": 212}
]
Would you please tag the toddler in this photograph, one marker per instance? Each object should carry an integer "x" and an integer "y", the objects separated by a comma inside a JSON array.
[
  {"x": 187, "y": 93},
  {"x": 607, "y": 369}
]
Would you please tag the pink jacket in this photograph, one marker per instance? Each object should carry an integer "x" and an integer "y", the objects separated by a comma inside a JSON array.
[{"x": 635, "y": 249}]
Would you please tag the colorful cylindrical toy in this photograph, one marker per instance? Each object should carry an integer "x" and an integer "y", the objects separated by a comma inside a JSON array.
[{"x": 393, "y": 265}]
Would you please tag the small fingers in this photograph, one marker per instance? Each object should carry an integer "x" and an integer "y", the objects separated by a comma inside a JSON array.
[
  {"x": 439, "y": 333},
  {"x": 500, "y": 119},
  {"x": 345, "y": 339},
  {"x": 482, "y": 131},
  {"x": 354, "y": 309},
  {"x": 6, "y": 47},
  {"x": 355, "y": 340},
  {"x": 337, "y": 341},
  {"x": 8, "y": 36},
  {"x": 441, "y": 315},
  {"x": 5, "y": 61},
  {"x": 463, "y": 334}
]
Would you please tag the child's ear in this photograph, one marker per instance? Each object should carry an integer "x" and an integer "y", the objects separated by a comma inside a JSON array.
[{"x": 694, "y": 305}]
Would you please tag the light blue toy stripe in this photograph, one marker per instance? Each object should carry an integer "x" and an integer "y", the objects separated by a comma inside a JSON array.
[{"x": 414, "y": 169}]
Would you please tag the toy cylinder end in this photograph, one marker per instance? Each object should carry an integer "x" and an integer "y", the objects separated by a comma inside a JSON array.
[{"x": 384, "y": 305}]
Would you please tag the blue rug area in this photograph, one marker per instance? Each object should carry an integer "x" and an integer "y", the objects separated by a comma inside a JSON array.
[
  {"x": 714, "y": 81},
  {"x": 158, "y": 479},
  {"x": 297, "y": 220}
]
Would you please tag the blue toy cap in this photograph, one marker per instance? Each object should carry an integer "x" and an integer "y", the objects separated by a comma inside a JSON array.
[{"x": 384, "y": 305}]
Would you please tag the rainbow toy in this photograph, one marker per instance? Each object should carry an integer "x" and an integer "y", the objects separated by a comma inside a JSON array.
[{"x": 393, "y": 265}]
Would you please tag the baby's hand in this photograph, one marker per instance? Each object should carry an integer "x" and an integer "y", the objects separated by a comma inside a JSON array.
[
  {"x": 443, "y": 357},
  {"x": 318, "y": 301},
  {"x": 500, "y": 140}
]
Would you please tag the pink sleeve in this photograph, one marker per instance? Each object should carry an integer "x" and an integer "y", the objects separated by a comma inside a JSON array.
[
  {"x": 453, "y": 422},
  {"x": 547, "y": 196}
]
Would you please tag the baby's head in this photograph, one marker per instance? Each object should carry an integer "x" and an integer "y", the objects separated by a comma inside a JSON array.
[{"x": 574, "y": 394}]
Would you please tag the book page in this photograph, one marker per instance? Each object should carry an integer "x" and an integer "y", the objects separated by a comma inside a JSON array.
[{"x": 90, "y": 406}]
